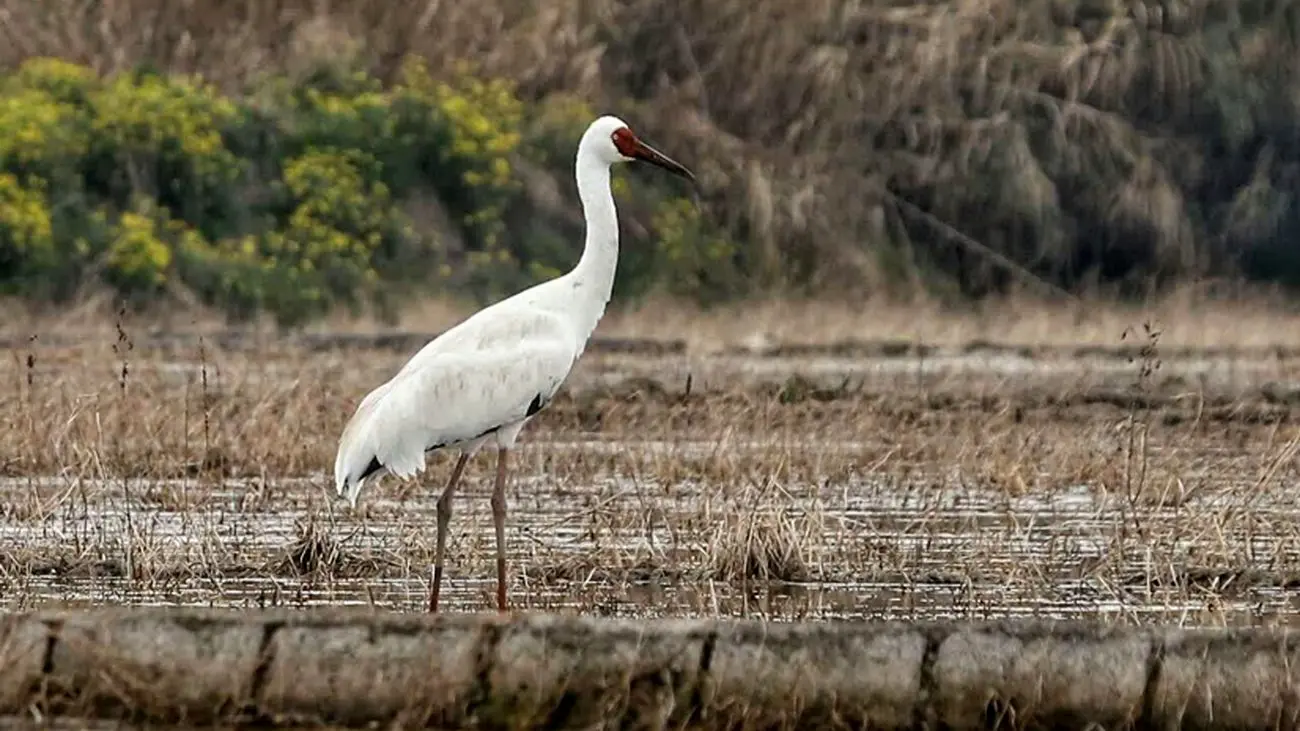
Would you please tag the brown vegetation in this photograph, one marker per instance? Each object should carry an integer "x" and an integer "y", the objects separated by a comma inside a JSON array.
[
  {"x": 846, "y": 143},
  {"x": 943, "y": 477}
]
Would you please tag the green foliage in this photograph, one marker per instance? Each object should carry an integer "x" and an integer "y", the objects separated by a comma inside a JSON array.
[
  {"x": 162, "y": 137},
  {"x": 231, "y": 274},
  {"x": 27, "y": 245},
  {"x": 40, "y": 135},
  {"x": 65, "y": 81},
  {"x": 696, "y": 262},
  {"x": 554, "y": 128},
  {"x": 327, "y": 250},
  {"x": 476, "y": 124},
  {"x": 1086, "y": 142},
  {"x": 137, "y": 259},
  {"x": 295, "y": 198}
]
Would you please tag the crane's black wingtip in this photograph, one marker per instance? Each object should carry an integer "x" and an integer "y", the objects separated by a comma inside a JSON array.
[
  {"x": 535, "y": 405},
  {"x": 371, "y": 468}
]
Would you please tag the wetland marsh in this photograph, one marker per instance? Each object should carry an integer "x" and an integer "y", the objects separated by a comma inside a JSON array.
[{"x": 891, "y": 482}]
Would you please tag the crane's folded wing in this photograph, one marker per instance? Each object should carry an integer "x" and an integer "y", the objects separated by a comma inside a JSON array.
[
  {"x": 455, "y": 397},
  {"x": 507, "y": 325}
]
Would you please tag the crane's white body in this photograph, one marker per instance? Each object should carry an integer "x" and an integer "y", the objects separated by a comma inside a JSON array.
[{"x": 486, "y": 377}]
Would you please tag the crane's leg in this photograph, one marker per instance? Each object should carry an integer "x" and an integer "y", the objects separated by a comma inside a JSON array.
[
  {"x": 499, "y": 522},
  {"x": 444, "y": 517}
]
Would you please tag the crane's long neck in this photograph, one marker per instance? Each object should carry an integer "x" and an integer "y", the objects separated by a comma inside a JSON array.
[{"x": 593, "y": 277}]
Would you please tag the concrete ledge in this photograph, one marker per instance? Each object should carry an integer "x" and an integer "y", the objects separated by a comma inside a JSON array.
[{"x": 361, "y": 668}]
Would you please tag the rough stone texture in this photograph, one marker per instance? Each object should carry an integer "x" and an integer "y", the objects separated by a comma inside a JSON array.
[
  {"x": 1228, "y": 679},
  {"x": 353, "y": 673},
  {"x": 1039, "y": 676},
  {"x": 359, "y": 668},
  {"x": 814, "y": 675},
  {"x": 23, "y": 642},
  {"x": 169, "y": 667},
  {"x": 570, "y": 672}
]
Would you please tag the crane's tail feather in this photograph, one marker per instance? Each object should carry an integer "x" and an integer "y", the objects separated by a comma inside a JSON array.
[
  {"x": 348, "y": 485},
  {"x": 356, "y": 463},
  {"x": 381, "y": 437}
]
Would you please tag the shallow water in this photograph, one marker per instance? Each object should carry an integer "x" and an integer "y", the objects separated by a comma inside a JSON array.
[{"x": 932, "y": 547}]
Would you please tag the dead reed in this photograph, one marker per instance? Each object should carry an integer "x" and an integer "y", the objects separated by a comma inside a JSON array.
[
  {"x": 820, "y": 126},
  {"x": 962, "y": 481}
]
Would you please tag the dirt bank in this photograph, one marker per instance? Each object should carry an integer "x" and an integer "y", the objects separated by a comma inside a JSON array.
[{"x": 358, "y": 667}]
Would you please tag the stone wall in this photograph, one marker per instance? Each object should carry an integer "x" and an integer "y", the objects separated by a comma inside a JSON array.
[{"x": 357, "y": 667}]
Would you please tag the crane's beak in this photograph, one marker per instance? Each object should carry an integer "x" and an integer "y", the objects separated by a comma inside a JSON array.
[{"x": 655, "y": 157}]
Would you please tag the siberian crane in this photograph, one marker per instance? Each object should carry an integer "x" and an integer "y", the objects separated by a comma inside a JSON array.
[{"x": 480, "y": 382}]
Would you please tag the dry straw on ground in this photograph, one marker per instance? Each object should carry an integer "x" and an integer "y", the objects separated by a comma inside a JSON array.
[{"x": 916, "y": 481}]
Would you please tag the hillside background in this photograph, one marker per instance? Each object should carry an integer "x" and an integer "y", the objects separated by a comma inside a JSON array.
[{"x": 289, "y": 159}]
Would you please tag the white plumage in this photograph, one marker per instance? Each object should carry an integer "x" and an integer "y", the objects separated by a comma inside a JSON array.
[
  {"x": 483, "y": 379},
  {"x": 473, "y": 383}
]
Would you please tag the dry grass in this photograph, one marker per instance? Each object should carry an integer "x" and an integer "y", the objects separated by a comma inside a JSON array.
[
  {"x": 854, "y": 139},
  {"x": 1191, "y": 316},
  {"x": 900, "y": 485},
  {"x": 1048, "y": 476}
]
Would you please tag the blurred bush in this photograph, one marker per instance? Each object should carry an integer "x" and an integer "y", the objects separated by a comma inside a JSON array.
[
  {"x": 291, "y": 199},
  {"x": 29, "y": 253},
  {"x": 350, "y": 157}
]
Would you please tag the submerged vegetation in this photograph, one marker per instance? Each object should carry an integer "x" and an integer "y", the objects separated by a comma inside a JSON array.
[{"x": 289, "y": 157}]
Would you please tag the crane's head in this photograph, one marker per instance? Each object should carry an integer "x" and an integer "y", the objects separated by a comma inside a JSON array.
[{"x": 613, "y": 141}]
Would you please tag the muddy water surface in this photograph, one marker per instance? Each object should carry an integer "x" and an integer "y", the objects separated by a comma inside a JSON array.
[{"x": 942, "y": 546}]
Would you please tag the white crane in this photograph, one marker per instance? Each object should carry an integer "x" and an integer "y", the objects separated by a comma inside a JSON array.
[{"x": 483, "y": 379}]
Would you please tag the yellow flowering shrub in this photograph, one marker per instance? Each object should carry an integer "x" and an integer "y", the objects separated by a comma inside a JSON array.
[
  {"x": 553, "y": 130},
  {"x": 552, "y": 136},
  {"x": 350, "y": 112},
  {"x": 42, "y": 256},
  {"x": 340, "y": 218},
  {"x": 358, "y": 120},
  {"x": 151, "y": 113},
  {"x": 39, "y": 135},
  {"x": 137, "y": 259},
  {"x": 333, "y": 187},
  {"x": 161, "y": 136},
  {"x": 63, "y": 80},
  {"x": 292, "y": 198},
  {"x": 26, "y": 231},
  {"x": 477, "y": 124},
  {"x": 231, "y": 274},
  {"x": 693, "y": 260},
  {"x": 328, "y": 249}
]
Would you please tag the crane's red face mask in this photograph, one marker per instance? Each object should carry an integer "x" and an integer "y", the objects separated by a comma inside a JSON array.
[{"x": 629, "y": 146}]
